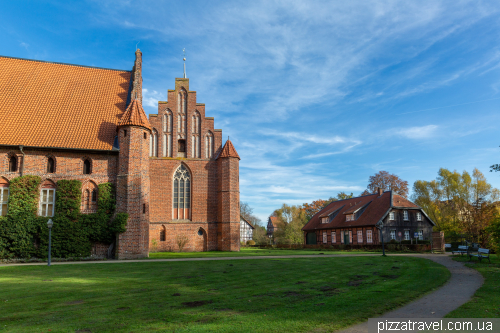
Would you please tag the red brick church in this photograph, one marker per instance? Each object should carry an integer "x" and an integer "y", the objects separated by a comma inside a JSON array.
[{"x": 173, "y": 175}]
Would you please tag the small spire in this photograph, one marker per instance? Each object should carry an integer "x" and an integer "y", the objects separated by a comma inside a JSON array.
[{"x": 184, "y": 58}]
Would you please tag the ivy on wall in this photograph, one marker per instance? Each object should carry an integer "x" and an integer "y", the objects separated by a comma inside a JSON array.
[{"x": 23, "y": 234}]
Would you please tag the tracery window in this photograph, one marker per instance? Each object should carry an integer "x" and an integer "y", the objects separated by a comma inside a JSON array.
[{"x": 182, "y": 194}]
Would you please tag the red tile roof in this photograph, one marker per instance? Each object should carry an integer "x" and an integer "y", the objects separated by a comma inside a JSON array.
[
  {"x": 228, "y": 151},
  {"x": 274, "y": 221},
  {"x": 47, "y": 104},
  {"x": 376, "y": 207},
  {"x": 135, "y": 116}
]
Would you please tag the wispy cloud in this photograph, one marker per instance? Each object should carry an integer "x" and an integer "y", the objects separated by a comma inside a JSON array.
[{"x": 416, "y": 132}]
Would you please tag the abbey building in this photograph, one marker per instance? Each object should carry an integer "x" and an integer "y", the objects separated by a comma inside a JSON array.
[{"x": 174, "y": 176}]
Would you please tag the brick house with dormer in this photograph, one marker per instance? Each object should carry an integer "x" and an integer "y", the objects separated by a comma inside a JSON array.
[
  {"x": 173, "y": 174},
  {"x": 362, "y": 220}
]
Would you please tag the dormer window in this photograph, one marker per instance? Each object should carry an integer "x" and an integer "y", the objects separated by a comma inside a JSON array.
[
  {"x": 324, "y": 220},
  {"x": 349, "y": 217},
  {"x": 405, "y": 215}
]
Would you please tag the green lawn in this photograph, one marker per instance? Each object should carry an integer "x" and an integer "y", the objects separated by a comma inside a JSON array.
[
  {"x": 486, "y": 300},
  {"x": 275, "y": 295},
  {"x": 248, "y": 252}
]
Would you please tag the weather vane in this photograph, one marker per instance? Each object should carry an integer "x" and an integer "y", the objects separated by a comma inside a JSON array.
[{"x": 184, "y": 58}]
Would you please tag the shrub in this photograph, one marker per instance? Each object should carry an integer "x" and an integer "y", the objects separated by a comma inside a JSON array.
[{"x": 250, "y": 242}]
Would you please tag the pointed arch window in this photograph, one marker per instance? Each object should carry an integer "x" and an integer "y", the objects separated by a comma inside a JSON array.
[
  {"x": 209, "y": 145},
  {"x": 153, "y": 144},
  {"x": 87, "y": 167},
  {"x": 163, "y": 234},
  {"x": 87, "y": 199},
  {"x": 51, "y": 165},
  {"x": 94, "y": 196},
  {"x": 182, "y": 194},
  {"x": 13, "y": 163},
  {"x": 167, "y": 122}
]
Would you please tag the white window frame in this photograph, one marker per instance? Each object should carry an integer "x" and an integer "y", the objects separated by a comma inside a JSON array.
[
  {"x": 360, "y": 236},
  {"x": 407, "y": 234},
  {"x": 420, "y": 235},
  {"x": 393, "y": 234},
  {"x": 419, "y": 216},
  {"x": 369, "y": 236},
  {"x": 325, "y": 237},
  {"x": 4, "y": 201},
  {"x": 405, "y": 215},
  {"x": 324, "y": 220},
  {"x": 334, "y": 237},
  {"x": 391, "y": 216},
  {"x": 349, "y": 217},
  {"x": 47, "y": 203}
]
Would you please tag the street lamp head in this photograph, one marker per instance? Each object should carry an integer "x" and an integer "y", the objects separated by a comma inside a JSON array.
[{"x": 50, "y": 224}]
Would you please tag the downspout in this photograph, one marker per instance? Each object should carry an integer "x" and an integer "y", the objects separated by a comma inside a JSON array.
[{"x": 22, "y": 165}]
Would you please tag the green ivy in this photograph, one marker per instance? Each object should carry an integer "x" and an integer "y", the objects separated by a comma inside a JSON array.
[{"x": 23, "y": 234}]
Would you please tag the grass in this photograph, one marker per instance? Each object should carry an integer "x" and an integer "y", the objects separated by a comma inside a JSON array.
[
  {"x": 486, "y": 301},
  {"x": 248, "y": 252},
  {"x": 275, "y": 295}
]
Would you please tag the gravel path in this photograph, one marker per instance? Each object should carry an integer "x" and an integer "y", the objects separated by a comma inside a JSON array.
[{"x": 458, "y": 290}]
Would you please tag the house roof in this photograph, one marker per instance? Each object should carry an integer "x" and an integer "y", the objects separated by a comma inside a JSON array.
[
  {"x": 243, "y": 219},
  {"x": 376, "y": 207},
  {"x": 56, "y": 105},
  {"x": 274, "y": 221},
  {"x": 135, "y": 116},
  {"x": 228, "y": 150}
]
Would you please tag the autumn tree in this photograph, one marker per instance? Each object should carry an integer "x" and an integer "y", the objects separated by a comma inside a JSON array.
[
  {"x": 291, "y": 219},
  {"x": 314, "y": 207},
  {"x": 260, "y": 235},
  {"x": 459, "y": 203},
  {"x": 387, "y": 181},
  {"x": 342, "y": 196}
]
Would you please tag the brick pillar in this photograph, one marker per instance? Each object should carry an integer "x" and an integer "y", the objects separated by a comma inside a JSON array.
[
  {"x": 132, "y": 191},
  {"x": 228, "y": 229}
]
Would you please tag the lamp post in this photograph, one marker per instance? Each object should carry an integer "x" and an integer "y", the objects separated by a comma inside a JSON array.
[
  {"x": 379, "y": 226},
  {"x": 50, "y": 224}
]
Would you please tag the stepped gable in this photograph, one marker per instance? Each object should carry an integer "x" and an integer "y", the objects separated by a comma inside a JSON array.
[
  {"x": 46, "y": 104},
  {"x": 228, "y": 151},
  {"x": 135, "y": 116}
]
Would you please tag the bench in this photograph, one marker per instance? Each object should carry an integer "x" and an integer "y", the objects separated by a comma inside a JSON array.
[
  {"x": 462, "y": 249},
  {"x": 447, "y": 247},
  {"x": 481, "y": 254}
]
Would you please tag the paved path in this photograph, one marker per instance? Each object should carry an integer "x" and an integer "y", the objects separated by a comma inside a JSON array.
[{"x": 458, "y": 290}]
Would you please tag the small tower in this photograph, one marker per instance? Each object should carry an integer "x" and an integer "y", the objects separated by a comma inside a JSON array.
[
  {"x": 132, "y": 192},
  {"x": 228, "y": 231}
]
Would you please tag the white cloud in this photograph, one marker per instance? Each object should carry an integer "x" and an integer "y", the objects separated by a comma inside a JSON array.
[
  {"x": 416, "y": 132},
  {"x": 151, "y": 98}
]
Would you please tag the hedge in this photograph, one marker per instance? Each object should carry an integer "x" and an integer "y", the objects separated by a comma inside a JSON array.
[{"x": 23, "y": 234}]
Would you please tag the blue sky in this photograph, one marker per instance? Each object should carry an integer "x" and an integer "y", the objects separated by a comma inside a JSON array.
[{"x": 315, "y": 95}]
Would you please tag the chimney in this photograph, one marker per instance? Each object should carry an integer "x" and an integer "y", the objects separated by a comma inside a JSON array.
[
  {"x": 137, "y": 77},
  {"x": 380, "y": 191}
]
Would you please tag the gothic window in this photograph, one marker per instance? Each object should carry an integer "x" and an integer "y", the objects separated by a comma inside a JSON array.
[
  {"x": 51, "y": 165},
  {"x": 182, "y": 194},
  {"x": 4, "y": 199},
  {"x": 153, "y": 144},
  {"x": 13, "y": 163},
  {"x": 209, "y": 145},
  {"x": 87, "y": 199},
  {"x": 94, "y": 196},
  {"x": 87, "y": 167},
  {"x": 196, "y": 123},
  {"x": 167, "y": 145},
  {"x": 167, "y": 122},
  {"x": 162, "y": 234}
]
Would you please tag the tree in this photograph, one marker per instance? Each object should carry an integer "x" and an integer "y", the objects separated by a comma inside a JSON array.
[
  {"x": 314, "y": 207},
  {"x": 260, "y": 235},
  {"x": 247, "y": 213},
  {"x": 342, "y": 196},
  {"x": 387, "y": 181},
  {"x": 291, "y": 219},
  {"x": 459, "y": 203}
]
